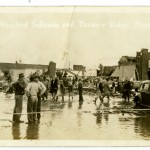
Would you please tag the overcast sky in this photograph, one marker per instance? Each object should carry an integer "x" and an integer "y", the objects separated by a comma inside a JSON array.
[{"x": 96, "y": 35}]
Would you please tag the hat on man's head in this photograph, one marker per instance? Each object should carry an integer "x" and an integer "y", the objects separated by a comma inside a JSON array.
[
  {"x": 31, "y": 78},
  {"x": 21, "y": 75},
  {"x": 37, "y": 76}
]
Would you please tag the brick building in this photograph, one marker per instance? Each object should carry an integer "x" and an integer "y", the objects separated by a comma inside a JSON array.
[{"x": 143, "y": 64}]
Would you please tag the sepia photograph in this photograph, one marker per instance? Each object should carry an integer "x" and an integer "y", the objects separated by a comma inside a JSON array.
[{"x": 75, "y": 76}]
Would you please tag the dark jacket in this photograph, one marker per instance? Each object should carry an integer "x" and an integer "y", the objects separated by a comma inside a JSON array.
[
  {"x": 80, "y": 87},
  {"x": 54, "y": 85},
  {"x": 127, "y": 86},
  {"x": 101, "y": 87},
  {"x": 19, "y": 88}
]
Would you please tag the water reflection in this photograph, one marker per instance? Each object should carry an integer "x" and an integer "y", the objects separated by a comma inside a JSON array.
[
  {"x": 69, "y": 104},
  {"x": 103, "y": 119},
  {"x": 32, "y": 131},
  {"x": 80, "y": 104},
  {"x": 102, "y": 112},
  {"x": 142, "y": 126},
  {"x": 62, "y": 105},
  {"x": 16, "y": 131},
  {"x": 56, "y": 105},
  {"x": 99, "y": 118},
  {"x": 79, "y": 114},
  {"x": 106, "y": 113},
  {"x": 79, "y": 119},
  {"x": 125, "y": 104},
  {"x": 106, "y": 116},
  {"x": 52, "y": 119}
]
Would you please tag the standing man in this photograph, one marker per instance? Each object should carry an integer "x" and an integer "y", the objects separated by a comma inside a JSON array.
[
  {"x": 106, "y": 89},
  {"x": 70, "y": 89},
  {"x": 43, "y": 89},
  {"x": 19, "y": 89},
  {"x": 54, "y": 87},
  {"x": 100, "y": 91},
  {"x": 126, "y": 90},
  {"x": 32, "y": 91},
  {"x": 65, "y": 74},
  {"x": 114, "y": 86},
  {"x": 46, "y": 83},
  {"x": 80, "y": 89},
  {"x": 61, "y": 90}
]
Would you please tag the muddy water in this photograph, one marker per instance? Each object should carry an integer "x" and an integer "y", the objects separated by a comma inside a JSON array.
[{"x": 72, "y": 120}]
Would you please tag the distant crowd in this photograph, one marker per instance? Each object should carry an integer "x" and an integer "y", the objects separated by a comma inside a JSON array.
[{"x": 37, "y": 88}]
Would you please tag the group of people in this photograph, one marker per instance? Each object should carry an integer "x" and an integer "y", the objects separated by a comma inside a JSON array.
[
  {"x": 105, "y": 89},
  {"x": 34, "y": 91},
  {"x": 58, "y": 88},
  {"x": 37, "y": 89}
]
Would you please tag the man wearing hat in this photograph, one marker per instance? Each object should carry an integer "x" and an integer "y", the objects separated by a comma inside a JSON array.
[
  {"x": 19, "y": 89},
  {"x": 32, "y": 91},
  {"x": 43, "y": 89}
]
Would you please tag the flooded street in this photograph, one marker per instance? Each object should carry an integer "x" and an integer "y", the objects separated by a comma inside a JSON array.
[{"x": 71, "y": 120}]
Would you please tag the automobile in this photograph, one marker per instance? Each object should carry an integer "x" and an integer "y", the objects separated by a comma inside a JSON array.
[
  {"x": 135, "y": 84},
  {"x": 142, "y": 96}
]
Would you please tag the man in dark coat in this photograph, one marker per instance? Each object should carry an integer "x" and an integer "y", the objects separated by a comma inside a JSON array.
[
  {"x": 65, "y": 74},
  {"x": 80, "y": 89},
  {"x": 54, "y": 87},
  {"x": 126, "y": 90},
  {"x": 19, "y": 89}
]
